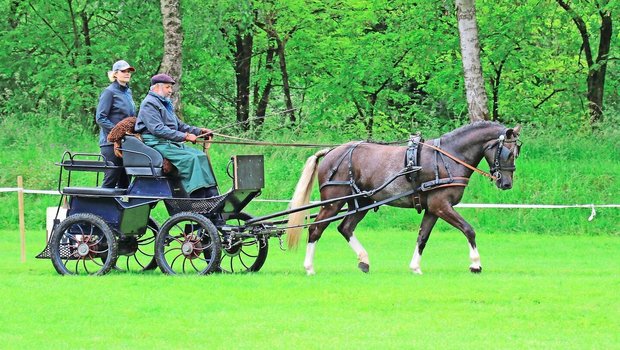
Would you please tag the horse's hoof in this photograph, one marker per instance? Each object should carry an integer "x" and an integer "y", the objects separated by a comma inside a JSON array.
[
  {"x": 364, "y": 267},
  {"x": 417, "y": 271},
  {"x": 309, "y": 270},
  {"x": 475, "y": 269}
]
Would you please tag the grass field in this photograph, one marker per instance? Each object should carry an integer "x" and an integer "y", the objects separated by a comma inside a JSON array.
[{"x": 536, "y": 291}]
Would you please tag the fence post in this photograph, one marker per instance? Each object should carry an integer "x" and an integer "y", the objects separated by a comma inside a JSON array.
[{"x": 22, "y": 224}]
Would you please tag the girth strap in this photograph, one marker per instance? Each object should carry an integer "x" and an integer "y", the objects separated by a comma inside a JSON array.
[
  {"x": 412, "y": 155},
  {"x": 445, "y": 182}
]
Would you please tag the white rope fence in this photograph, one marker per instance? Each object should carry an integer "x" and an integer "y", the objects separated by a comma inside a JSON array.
[
  {"x": 21, "y": 191},
  {"x": 591, "y": 206},
  {"x": 17, "y": 189}
]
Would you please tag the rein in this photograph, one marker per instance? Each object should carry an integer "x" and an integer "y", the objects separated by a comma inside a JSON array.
[
  {"x": 244, "y": 141},
  {"x": 470, "y": 167}
]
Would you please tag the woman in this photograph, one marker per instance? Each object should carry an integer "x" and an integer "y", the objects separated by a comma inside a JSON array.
[{"x": 115, "y": 104}]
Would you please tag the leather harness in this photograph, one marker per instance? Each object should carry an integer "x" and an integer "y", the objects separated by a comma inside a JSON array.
[{"x": 412, "y": 165}]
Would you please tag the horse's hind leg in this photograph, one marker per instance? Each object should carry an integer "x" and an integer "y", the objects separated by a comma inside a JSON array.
[
  {"x": 316, "y": 230},
  {"x": 428, "y": 222},
  {"x": 346, "y": 228}
]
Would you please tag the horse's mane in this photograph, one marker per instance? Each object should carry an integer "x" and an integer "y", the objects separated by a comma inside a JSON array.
[{"x": 470, "y": 127}]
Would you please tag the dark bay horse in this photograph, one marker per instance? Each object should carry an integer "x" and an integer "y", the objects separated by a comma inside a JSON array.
[{"x": 446, "y": 165}]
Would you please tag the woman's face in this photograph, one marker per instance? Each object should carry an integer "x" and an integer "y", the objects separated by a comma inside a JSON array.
[{"x": 123, "y": 76}]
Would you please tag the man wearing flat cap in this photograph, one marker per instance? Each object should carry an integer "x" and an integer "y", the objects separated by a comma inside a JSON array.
[{"x": 164, "y": 131}]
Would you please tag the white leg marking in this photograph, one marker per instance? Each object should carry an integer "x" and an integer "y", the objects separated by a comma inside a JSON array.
[
  {"x": 415, "y": 261},
  {"x": 474, "y": 257},
  {"x": 362, "y": 255},
  {"x": 308, "y": 262}
]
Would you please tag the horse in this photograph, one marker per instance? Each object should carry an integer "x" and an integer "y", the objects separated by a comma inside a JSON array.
[{"x": 376, "y": 171}]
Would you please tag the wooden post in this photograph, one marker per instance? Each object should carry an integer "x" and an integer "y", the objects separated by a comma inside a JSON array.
[{"x": 22, "y": 223}]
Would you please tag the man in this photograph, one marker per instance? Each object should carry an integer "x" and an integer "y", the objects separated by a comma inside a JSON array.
[{"x": 164, "y": 131}]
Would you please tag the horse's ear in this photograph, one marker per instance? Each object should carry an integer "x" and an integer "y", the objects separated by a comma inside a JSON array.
[{"x": 514, "y": 132}]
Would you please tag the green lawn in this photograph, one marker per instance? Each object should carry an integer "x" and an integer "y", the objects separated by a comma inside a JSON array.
[{"x": 536, "y": 291}]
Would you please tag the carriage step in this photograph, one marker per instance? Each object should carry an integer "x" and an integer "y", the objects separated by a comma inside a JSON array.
[
  {"x": 66, "y": 252},
  {"x": 45, "y": 254}
]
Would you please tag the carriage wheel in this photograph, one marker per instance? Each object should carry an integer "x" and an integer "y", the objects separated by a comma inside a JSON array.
[
  {"x": 83, "y": 244},
  {"x": 142, "y": 251},
  {"x": 243, "y": 254},
  {"x": 187, "y": 243}
]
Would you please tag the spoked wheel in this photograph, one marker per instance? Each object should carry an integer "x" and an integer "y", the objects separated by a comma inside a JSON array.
[
  {"x": 242, "y": 254},
  {"x": 187, "y": 243},
  {"x": 83, "y": 244},
  {"x": 140, "y": 250}
]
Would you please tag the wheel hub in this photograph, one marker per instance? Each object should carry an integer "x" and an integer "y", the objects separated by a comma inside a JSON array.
[
  {"x": 83, "y": 249},
  {"x": 191, "y": 248}
]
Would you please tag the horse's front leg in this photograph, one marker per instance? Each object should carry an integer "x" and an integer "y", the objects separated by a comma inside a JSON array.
[
  {"x": 455, "y": 219},
  {"x": 428, "y": 222}
]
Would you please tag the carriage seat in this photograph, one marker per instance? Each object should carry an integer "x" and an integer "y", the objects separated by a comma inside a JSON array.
[{"x": 140, "y": 159}]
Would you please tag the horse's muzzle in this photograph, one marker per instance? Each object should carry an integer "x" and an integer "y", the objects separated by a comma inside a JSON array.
[{"x": 504, "y": 185}]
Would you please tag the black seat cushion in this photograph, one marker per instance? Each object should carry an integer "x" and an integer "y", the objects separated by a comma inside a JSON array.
[
  {"x": 137, "y": 154},
  {"x": 94, "y": 191}
]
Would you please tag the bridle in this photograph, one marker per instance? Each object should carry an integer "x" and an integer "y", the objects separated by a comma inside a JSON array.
[
  {"x": 502, "y": 153},
  {"x": 501, "y": 157}
]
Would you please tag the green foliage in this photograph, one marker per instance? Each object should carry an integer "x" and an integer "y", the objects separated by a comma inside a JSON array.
[
  {"x": 353, "y": 65},
  {"x": 57, "y": 55}
]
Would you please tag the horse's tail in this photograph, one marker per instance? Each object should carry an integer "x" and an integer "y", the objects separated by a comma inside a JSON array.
[{"x": 301, "y": 197}]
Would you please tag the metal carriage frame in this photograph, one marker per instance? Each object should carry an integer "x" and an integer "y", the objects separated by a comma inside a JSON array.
[{"x": 200, "y": 236}]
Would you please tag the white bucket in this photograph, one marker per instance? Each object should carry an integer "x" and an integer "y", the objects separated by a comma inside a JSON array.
[{"x": 50, "y": 216}]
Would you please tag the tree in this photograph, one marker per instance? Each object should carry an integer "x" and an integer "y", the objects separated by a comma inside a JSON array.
[
  {"x": 470, "y": 55},
  {"x": 597, "y": 66},
  {"x": 263, "y": 97},
  {"x": 268, "y": 26},
  {"x": 244, "y": 43},
  {"x": 172, "y": 61}
]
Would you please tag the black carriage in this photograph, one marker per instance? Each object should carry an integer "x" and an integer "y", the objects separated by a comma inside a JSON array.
[{"x": 112, "y": 228}]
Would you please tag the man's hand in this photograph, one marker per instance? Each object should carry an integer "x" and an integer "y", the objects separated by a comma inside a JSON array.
[
  {"x": 190, "y": 137},
  {"x": 206, "y": 133}
]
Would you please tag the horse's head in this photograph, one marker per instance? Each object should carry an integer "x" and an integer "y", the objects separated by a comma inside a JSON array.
[{"x": 501, "y": 153}]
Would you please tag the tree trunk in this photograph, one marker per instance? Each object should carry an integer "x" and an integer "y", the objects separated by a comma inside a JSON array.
[
  {"x": 243, "y": 61},
  {"x": 269, "y": 28},
  {"x": 85, "y": 17},
  {"x": 172, "y": 61},
  {"x": 470, "y": 54},
  {"x": 597, "y": 68},
  {"x": 597, "y": 72},
  {"x": 495, "y": 82},
  {"x": 76, "y": 35},
  {"x": 14, "y": 14},
  {"x": 285, "y": 83},
  {"x": 261, "y": 109}
]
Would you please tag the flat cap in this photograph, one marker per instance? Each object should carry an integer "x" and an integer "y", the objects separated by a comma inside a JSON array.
[{"x": 162, "y": 78}]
